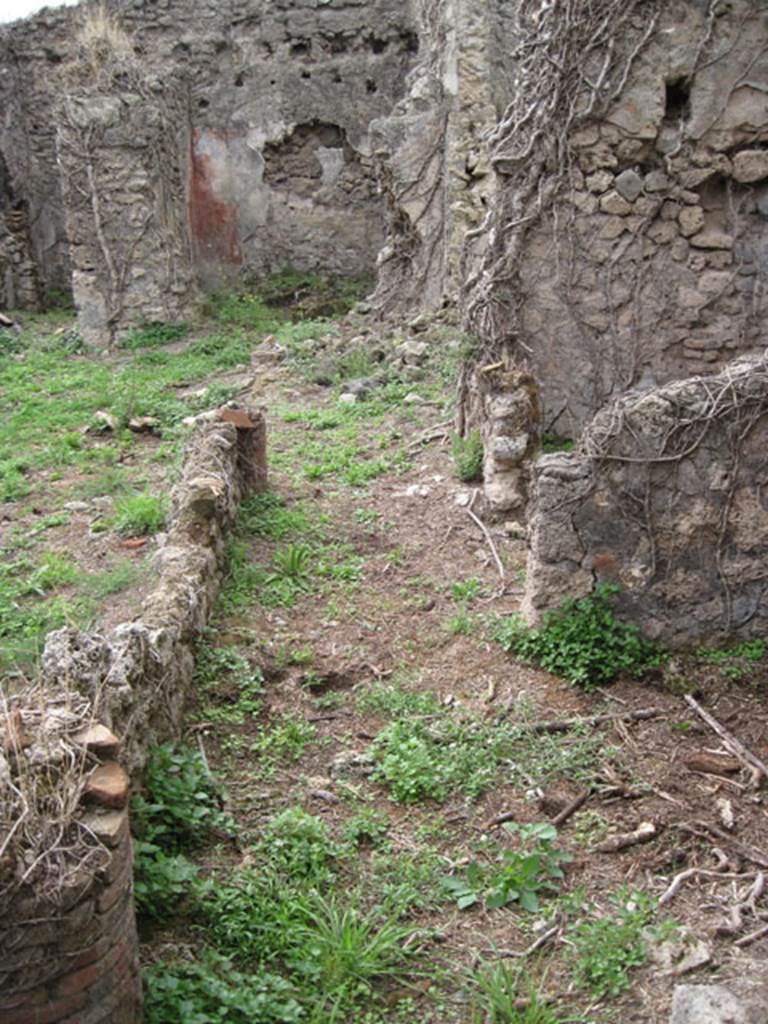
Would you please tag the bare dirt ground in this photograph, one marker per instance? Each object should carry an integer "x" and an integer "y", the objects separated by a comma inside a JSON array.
[{"x": 400, "y": 622}]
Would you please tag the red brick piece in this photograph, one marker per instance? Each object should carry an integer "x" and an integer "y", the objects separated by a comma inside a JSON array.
[
  {"x": 108, "y": 786},
  {"x": 99, "y": 740},
  {"x": 56, "y": 1010},
  {"x": 15, "y": 737},
  {"x": 240, "y": 419}
]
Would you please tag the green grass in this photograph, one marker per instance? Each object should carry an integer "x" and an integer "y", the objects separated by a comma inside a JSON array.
[
  {"x": 48, "y": 395},
  {"x": 122, "y": 575},
  {"x": 28, "y": 609},
  {"x": 231, "y": 688},
  {"x": 140, "y": 514},
  {"x": 340, "y": 443},
  {"x": 394, "y": 700},
  {"x": 467, "y": 454},
  {"x": 505, "y": 993},
  {"x": 734, "y": 663},
  {"x": 284, "y": 740},
  {"x": 155, "y": 334}
]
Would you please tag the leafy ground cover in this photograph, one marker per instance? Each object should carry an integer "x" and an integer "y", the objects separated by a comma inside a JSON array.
[{"x": 362, "y": 822}]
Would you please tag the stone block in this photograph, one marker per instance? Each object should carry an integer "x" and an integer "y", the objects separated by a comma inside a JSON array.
[
  {"x": 629, "y": 185},
  {"x": 663, "y": 232},
  {"x": 584, "y": 137},
  {"x": 691, "y": 220},
  {"x": 584, "y": 202},
  {"x": 110, "y": 827},
  {"x": 612, "y": 227},
  {"x": 669, "y": 210},
  {"x": 615, "y": 204},
  {"x": 715, "y": 282},
  {"x": 750, "y": 165},
  {"x": 711, "y": 238},
  {"x": 657, "y": 181},
  {"x": 689, "y": 298},
  {"x": 597, "y": 157},
  {"x": 600, "y": 181},
  {"x": 708, "y": 1004},
  {"x": 238, "y": 417}
]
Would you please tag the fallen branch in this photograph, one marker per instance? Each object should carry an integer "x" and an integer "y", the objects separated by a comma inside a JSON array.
[
  {"x": 642, "y": 834},
  {"x": 572, "y": 807},
  {"x": 566, "y": 724},
  {"x": 499, "y": 820},
  {"x": 436, "y": 433},
  {"x": 745, "y": 940},
  {"x": 488, "y": 537},
  {"x": 711, "y": 764},
  {"x": 734, "y": 745},
  {"x": 747, "y": 904}
]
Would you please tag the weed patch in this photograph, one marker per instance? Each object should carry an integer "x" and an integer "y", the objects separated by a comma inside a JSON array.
[
  {"x": 213, "y": 990},
  {"x": 517, "y": 876},
  {"x": 233, "y": 688},
  {"x": 179, "y": 809},
  {"x": 395, "y": 701},
  {"x": 140, "y": 514},
  {"x": 154, "y": 334},
  {"x": 734, "y": 663},
  {"x": 608, "y": 946},
  {"x": 507, "y": 994},
  {"x": 581, "y": 641},
  {"x": 419, "y": 761},
  {"x": 285, "y": 740},
  {"x": 467, "y": 453}
]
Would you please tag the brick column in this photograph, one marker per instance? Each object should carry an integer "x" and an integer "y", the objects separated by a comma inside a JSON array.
[{"x": 72, "y": 958}]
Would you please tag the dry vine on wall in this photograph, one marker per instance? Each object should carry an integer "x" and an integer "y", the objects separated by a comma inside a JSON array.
[
  {"x": 571, "y": 64},
  {"x": 717, "y": 417},
  {"x": 597, "y": 273},
  {"x": 120, "y": 164}
]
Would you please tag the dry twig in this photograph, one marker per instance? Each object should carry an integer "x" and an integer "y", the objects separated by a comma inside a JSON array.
[
  {"x": 488, "y": 537},
  {"x": 734, "y": 745}
]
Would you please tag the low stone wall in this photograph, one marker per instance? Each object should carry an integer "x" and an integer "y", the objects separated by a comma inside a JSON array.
[
  {"x": 139, "y": 674},
  {"x": 665, "y": 497},
  {"x": 68, "y": 948}
]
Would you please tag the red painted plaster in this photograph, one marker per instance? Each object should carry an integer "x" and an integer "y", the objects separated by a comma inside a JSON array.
[{"x": 213, "y": 223}]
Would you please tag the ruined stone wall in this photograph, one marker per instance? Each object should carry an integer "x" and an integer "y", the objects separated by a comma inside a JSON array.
[
  {"x": 628, "y": 241},
  {"x": 278, "y": 160},
  {"x": 20, "y": 286},
  {"x": 281, "y": 171},
  {"x": 123, "y": 191},
  {"x": 30, "y": 55},
  {"x": 665, "y": 497},
  {"x": 433, "y": 152}
]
